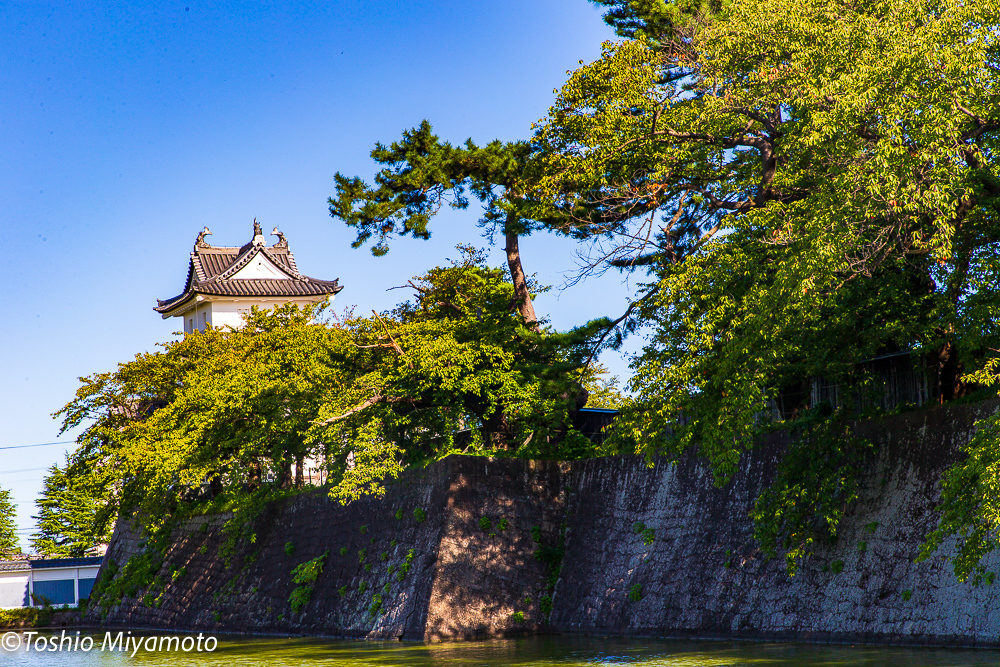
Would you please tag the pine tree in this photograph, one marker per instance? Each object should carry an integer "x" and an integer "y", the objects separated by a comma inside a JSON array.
[
  {"x": 8, "y": 531},
  {"x": 67, "y": 517},
  {"x": 421, "y": 174}
]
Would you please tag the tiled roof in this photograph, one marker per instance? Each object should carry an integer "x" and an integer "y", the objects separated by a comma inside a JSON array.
[
  {"x": 212, "y": 267},
  {"x": 14, "y": 565}
]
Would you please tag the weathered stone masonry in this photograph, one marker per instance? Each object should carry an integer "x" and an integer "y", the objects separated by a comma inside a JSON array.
[
  {"x": 463, "y": 581},
  {"x": 701, "y": 576}
]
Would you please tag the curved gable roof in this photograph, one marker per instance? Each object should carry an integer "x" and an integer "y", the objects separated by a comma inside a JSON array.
[{"x": 211, "y": 270}]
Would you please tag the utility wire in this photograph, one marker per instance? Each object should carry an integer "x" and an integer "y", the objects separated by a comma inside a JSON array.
[
  {"x": 11, "y": 472},
  {"x": 42, "y": 444}
]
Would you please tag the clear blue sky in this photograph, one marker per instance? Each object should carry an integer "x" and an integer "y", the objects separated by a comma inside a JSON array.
[{"x": 127, "y": 127}]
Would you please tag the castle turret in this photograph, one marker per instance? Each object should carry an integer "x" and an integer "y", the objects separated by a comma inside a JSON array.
[{"x": 223, "y": 283}]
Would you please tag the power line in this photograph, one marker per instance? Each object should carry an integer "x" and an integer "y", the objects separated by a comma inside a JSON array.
[
  {"x": 42, "y": 444},
  {"x": 11, "y": 472}
]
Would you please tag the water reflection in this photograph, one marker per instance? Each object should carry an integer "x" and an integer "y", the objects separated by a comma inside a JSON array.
[{"x": 533, "y": 652}]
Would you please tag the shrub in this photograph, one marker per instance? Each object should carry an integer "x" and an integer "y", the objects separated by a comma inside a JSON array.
[{"x": 305, "y": 574}]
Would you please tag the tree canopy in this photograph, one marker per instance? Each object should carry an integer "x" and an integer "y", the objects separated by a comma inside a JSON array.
[
  {"x": 8, "y": 528},
  {"x": 70, "y": 516},
  {"x": 809, "y": 184},
  {"x": 421, "y": 175},
  {"x": 233, "y": 411}
]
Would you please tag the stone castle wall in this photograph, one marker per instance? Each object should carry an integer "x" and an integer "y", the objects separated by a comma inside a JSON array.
[
  {"x": 702, "y": 575},
  {"x": 461, "y": 580}
]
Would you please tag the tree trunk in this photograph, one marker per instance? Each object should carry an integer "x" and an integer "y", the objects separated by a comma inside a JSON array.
[
  {"x": 299, "y": 465},
  {"x": 950, "y": 385},
  {"x": 285, "y": 478},
  {"x": 215, "y": 484},
  {"x": 521, "y": 292},
  {"x": 254, "y": 475},
  {"x": 495, "y": 430}
]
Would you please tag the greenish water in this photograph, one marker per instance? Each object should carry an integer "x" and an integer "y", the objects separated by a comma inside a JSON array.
[{"x": 534, "y": 652}]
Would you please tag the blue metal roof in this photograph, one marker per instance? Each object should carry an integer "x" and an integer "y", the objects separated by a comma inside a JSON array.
[{"x": 65, "y": 562}]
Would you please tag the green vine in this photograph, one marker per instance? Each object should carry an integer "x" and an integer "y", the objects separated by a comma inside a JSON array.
[
  {"x": 816, "y": 481},
  {"x": 305, "y": 574},
  {"x": 970, "y": 505},
  {"x": 552, "y": 558},
  {"x": 376, "y": 604}
]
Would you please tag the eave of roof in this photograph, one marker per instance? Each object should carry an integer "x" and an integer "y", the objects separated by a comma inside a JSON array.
[{"x": 253, "y": 288}]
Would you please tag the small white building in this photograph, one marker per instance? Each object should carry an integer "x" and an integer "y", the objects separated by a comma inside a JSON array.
[
  {"x": 223, "y": 283},
  {"x": 60, "y": 581}
]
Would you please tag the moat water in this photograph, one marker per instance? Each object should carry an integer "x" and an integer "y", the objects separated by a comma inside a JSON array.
[{"x": 533, "y": 652}]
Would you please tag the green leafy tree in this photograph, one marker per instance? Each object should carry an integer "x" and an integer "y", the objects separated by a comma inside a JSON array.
[
  {"x": 453, "y": 370},
  {"x": 669, "y": 22},
  {"x": 235, "y": 412},
  {"x": 810, "y": 184},
  {"x": 213, "y": 410},
  {"x": 71, "y": 517},
  {"x": 603, "y": 390},
  {"x": 8, "y": 528}
]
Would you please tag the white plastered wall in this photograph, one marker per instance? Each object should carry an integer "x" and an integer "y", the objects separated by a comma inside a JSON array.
[
  {"x": 223, "y": 312},
  {"x": 260, "y": 267}
]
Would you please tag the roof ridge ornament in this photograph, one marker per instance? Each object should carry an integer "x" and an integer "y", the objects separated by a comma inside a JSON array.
[
  {"x": 201, "y": 242},
  {"x": 282, "y": 241},
  {"x": 258, "y": 234}
]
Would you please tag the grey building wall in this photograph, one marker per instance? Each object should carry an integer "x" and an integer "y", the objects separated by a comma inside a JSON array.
[{"x": 13, "y": 594}]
